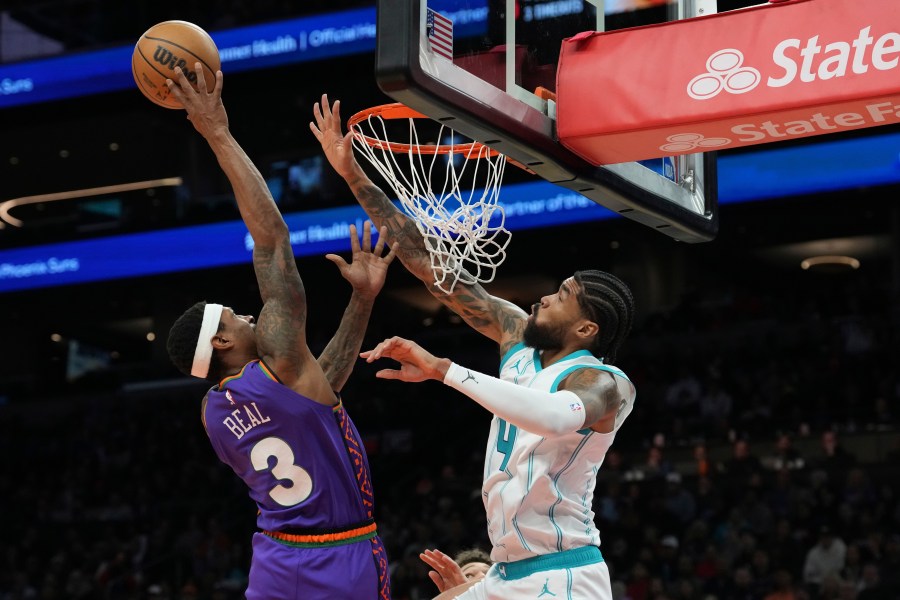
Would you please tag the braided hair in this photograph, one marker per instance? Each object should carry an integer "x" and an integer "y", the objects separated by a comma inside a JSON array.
[
  {"x": 606, "y": 300},
  {"x": 182, "y": 341}
]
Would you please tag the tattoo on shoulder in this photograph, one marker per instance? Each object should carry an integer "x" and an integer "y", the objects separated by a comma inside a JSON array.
[{"x": 595, "y": 385}]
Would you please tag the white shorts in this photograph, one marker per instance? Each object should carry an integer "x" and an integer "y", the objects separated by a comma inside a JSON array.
[{"x": 579, "y": 574}]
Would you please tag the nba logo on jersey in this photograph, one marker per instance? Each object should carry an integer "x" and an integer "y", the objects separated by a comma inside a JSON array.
[
  {"x": 574, "y": 407},
  {"x": 228, "y": 395}
]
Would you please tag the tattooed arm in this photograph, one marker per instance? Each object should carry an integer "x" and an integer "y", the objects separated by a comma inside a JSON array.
[
  {"x": 366, "y": 273},
  {"x": 281, "y": 327},
  {"x": 493, "y": 317}
]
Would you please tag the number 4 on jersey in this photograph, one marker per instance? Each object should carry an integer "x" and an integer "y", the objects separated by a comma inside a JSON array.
[{"x": 506, "y": 438}]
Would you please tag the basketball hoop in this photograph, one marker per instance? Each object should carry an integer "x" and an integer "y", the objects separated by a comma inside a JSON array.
[{"x": 464, "y": 230}]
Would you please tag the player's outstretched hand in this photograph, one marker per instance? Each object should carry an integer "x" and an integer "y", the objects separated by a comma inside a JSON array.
[
  {"x": 445, "y": 573},
  {"x": 416, "y": 363},
  {"x": 367, "y": 269},
  {"x": 204, "y": 107},
  {"x": 337, "y": 146}
]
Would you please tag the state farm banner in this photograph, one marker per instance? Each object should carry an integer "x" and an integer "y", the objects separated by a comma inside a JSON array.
[{"x": 769, "y": 73}]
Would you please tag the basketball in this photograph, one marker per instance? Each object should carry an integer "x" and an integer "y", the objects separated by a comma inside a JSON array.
[{"x": 168, "y": 45}]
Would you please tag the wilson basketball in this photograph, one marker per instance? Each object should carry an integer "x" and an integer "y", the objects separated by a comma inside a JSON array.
[{"x": 168, "y": 45}]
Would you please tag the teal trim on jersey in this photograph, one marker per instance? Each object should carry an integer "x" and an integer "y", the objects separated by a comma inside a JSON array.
[
  {"x": 586, "y": 500},
  {"x": 580, "y": 354},
  {"x": 559, "y": 533},
  {"x": 567, "y": 559},
  {"x": 503, "y": 508},
  {"x": 515, "y": 524},
  {"x": 509, "y": 354},
  {"x": 528, "y": 484},
  {"x": 570, "y": 581}
]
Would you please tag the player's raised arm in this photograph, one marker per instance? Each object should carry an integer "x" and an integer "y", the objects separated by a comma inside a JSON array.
[
  {"x": 281, "y": 328},
  {"x": 366, "y": 273},
  {"x": 493, "y": 317}
]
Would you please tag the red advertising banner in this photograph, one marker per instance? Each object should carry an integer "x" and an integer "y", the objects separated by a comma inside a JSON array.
[{"x": 769, "y": 73}]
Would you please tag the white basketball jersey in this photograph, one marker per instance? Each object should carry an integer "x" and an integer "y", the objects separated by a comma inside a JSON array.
[{"x": 538, "y": 491}]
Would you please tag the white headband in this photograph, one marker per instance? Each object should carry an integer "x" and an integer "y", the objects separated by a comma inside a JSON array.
[{"x": 211, "y": 315}]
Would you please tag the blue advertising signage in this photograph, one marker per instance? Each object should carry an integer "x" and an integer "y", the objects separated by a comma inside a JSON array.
[
  {"x": 225, "y": 244},
  {"x": 284, "y": 42},
  {"x": 771, "y": 173}
]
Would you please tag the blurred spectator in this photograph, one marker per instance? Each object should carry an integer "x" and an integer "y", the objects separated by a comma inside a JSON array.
[
  {"x": 782, "y": 587},
  {"x": 715, "y": 406},
  {"x": 786, "y": 456},
  {"x": 741, "y": 585},
  {"x": 743, "y": 464},
  {"x": 679, "y": 502},
  {"x": 834, "y": 457},
  {"x": 701, "y": 461},
  {"x": 825, "y": 559},
  {"x": 786, "y": 548}
]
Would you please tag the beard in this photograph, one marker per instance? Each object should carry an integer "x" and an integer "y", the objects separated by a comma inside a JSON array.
[{"x": 542, "y": 337}]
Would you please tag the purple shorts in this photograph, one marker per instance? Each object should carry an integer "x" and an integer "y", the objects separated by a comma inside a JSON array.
[{"x": 356, "y": 571}]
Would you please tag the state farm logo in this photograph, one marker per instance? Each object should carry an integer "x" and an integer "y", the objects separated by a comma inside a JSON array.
[
  {"x": 689, "y": 142},
  {"x": 796, "y": 60},
  {"x": 724, "y": 71}
]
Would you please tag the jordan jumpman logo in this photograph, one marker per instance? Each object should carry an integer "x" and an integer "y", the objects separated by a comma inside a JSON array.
[
  {"x": 469, "y": 376},
  {"x": 546, "y": 591}
]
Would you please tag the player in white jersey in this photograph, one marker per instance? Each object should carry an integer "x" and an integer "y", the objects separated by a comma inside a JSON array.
[{"x": 557, "y": 405}]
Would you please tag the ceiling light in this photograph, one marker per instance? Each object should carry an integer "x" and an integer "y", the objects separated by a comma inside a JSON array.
[{"x": 830, "y": 261}]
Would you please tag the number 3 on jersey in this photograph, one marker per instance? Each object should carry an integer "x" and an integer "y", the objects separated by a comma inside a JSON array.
[
  {"x": 284, "y": 468},
  {"x": 506, "y": 438}
]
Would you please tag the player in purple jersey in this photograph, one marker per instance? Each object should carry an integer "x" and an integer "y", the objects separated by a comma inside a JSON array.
[{"x": 274, "y": 415}]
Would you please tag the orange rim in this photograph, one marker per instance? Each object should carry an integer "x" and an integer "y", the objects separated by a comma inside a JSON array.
[{"x": 397, "y": 110}]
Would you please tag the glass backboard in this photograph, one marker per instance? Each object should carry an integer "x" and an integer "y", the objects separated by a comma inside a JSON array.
[{"x": 487, "y": 69}]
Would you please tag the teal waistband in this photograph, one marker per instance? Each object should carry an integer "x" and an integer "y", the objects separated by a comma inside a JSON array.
[{"x": 568, "y": 559}]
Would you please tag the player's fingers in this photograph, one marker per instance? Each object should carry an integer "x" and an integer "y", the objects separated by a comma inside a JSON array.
[
  {"x": 315, "y": 130},
  {"x": 317, "y": 113},
  {"x": 336, "y": 112},
  {"x": 379, "y": 245},
  {"x": 180, "y": 77},
  {"x": 326, "y": 108},
  {"x": 367, "y": 236},
  {"x": 354, "y": 239},
  {"x": 392, "y": 254},
  {"x": 201, "y": 78},
  {"x": 176, "y": 91},
  {"x": 388, "y": 374},
  {"x": 339, "y": 261},
  {"x": 373, "y": 354},
  {"x": 220, "y": 83},
  {"x": 438, "y": 580},
  {"x": 428, "y": 557}
]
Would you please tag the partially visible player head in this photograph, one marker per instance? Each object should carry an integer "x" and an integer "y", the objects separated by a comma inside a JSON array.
[
  {"x": 592, "y": 309},
  {"x": 210, "y": 341},
  {"x": 474, "y": 563}
]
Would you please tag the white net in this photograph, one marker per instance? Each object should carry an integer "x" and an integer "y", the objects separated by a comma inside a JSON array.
[{"x": 452, "y": 195}]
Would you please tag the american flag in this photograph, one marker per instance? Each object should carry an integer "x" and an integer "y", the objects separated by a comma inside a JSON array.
[{"x": 439, "y": 30}]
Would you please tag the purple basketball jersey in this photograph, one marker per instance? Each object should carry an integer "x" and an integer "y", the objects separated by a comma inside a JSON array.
[{"x": 302, "y": 461}]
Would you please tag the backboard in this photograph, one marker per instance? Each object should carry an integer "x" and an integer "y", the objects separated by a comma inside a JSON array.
[{"x": 480, "y": 68}]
